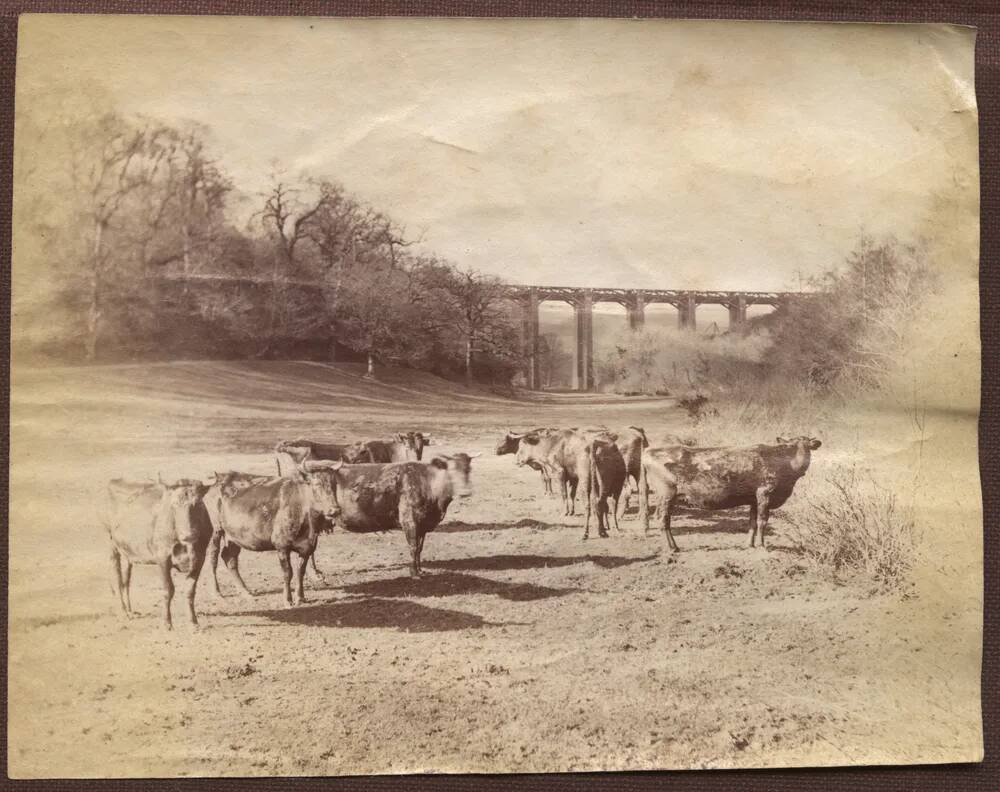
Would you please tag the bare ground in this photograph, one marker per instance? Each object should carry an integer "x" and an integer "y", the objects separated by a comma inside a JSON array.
[{"x": 523, "y": 648}]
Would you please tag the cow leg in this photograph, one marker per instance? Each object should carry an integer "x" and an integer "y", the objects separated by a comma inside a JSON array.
[
  {"x": 410, "y": 529},
  {"x": 231, "y": 555},
  {"x": 167, "y": 578},
  {"x": 300, "y": 574},
  {"x": 573, "y": 484},
  {"x": 602, "y": 517},
  {"x": 763, "y": 512},
  {"x": 213, "y": 561},
  {"x": 286, "y": 573},
  {"x": 116, "y": 579},
  {"x": 127, "y": 584},
  {"x": 667, "y": 505},
  {"x": 420, "y": 550},
  {"x": 312, "y": 557},
  {"x": 615, "y": 499},
  {"x": 197, "y": 555},
  {"x": 752, "y": 532}
]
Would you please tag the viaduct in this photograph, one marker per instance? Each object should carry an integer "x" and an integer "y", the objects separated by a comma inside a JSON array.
[{"x": 635, "y": 302}]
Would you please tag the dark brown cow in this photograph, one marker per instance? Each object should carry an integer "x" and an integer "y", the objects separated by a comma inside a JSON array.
[
  {"x": 573, "y": 456},
  {"x": 761, "y": 477},
  {"x": 231, "y": 552},
  {"x": 283, "y": 514},
  {"x": 510, "y": 443},
  {"x": 409, "y": 496},
  {"x": 162, "y": 524},
  {"x": 401, "y": 448}
]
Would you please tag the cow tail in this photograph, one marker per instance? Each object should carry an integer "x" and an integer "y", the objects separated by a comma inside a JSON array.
[{"x": 643, "y": 495}]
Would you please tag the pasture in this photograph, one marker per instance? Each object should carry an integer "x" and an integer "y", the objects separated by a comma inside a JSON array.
[{"x": 523, "y": 648}]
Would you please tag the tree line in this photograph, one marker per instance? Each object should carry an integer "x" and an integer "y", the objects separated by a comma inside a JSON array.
[{"x": 128, "y": 249}]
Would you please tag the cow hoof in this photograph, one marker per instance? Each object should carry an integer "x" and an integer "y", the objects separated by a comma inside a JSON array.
[{"x": 604, "y": 535}]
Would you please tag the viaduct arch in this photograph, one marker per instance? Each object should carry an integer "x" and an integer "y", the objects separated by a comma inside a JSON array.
[{"x": 635, "y": 302}]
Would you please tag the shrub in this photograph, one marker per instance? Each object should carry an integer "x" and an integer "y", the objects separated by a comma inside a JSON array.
[{"x": 852, "y": 522}]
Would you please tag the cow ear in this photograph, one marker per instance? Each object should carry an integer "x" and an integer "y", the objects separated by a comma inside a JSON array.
[
  {"x": 781, "y": 440},
  {"x": 530, "y": 439},
  {"x": 814, "y": 443},
  {"x": 439, "y": 462}
]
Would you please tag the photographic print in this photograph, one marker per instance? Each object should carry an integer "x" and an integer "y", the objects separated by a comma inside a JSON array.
[{"x": 489, "y": 396}]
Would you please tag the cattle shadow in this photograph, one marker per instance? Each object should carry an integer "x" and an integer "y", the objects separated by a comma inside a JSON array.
[
  {"x": 460, "y": 526},
  {"x": 449, "y": 584},
  {"x": 35, "y": 622},
  {"x": 508, "y": 562},
  {"x": 701, "y": 522},
  {"x": 402, "y": 615}
]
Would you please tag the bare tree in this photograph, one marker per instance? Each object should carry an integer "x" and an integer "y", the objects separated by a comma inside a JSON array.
[
  {"x": 112, "y": 163},
  {"x": 476, "y": 298}
]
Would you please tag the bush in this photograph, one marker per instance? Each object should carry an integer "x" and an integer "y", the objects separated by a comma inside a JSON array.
[{"x": 851, "y": 522}]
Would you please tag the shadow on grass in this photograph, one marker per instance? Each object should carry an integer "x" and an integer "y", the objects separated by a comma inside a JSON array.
[
  {"x": 34, "y": 622},
  {"x": 459, "y": 526},
  {"x": 402, "y": 615},
  {"x": 446, "y": 584},
  {"x": 499, "y": 562}
]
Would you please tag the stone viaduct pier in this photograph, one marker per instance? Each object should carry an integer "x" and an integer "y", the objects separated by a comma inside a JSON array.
[{"x": 635, "y": 302}]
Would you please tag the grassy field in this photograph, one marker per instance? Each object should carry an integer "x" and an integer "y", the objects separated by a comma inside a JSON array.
[{"x": 522, "y": 649}]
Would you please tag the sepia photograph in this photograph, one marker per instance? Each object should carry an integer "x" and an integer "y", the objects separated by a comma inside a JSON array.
[{"x": 445, "y": 395}]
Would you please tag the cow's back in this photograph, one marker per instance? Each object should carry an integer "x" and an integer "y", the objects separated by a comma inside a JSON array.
[
  {"x": 368, "y": 495},
  {"x": 251, "y": 515},
  {"x": 715, "y": 478}
]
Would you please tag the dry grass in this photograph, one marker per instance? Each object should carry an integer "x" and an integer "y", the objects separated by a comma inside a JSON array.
[{"x": 850, "y": 522}]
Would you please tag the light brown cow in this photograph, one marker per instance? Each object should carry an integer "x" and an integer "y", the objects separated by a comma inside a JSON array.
[
  {"x": 574, "y": 456},
  {"x": 157, "y": 523}
]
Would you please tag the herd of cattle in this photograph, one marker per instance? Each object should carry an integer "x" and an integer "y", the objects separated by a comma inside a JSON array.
[{"x": 383, "y": 485}]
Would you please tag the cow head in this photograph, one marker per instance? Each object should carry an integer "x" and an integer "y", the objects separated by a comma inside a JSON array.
[
  {"x": 321, "y": 477},
  {"x": 526, "y": 448},
  {"x": 459, "y": 469},
  {"x": 804, "y": 446},
  {"x": 182, "y": 499},
  {"x": 509, "y": 444},
  {"x": 803, "y": 442}
]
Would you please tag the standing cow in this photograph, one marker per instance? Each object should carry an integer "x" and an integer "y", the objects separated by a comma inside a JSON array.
[
  {"x": 510, "y": 444},
  {"x": 403, "y": 447},
  {"x": 409, "y": 496},
  {"x": 162, "y": 524},
  {"x": 574, "y": 456},
  {"x": 761, "y": 477},
  {"x": 283, "y": 514},
  {"x": 631, "y": 442}
]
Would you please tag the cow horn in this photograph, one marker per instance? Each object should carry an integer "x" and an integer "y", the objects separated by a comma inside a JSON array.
[{"x": 474, "y": 454}]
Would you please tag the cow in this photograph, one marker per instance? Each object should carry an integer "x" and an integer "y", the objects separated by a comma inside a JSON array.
[
  {"x": 510, "y": 443},
  {"x": 631, "y": 441},
  {"x": 401, "y": 448},
  {"x": 761, "y": 477},
  {"x": 409, "y": 496},
  {"x": 284, "y": 514},
  {"x": 157, "y": 523},
  {"x": 590, "y": 456}
]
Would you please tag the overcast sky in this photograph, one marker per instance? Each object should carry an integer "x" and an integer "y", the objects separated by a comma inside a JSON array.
[{"x": 647, "y": 154}]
